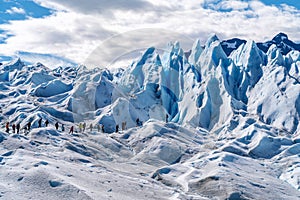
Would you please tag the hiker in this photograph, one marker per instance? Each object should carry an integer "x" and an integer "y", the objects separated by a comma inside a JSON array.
[
  {"x": 46, "y": 123},
  {"x": 29, "y": 125},
  {"x": 123, "y": 126},
  {"x": 167, "y": 118},
  {"x": 80, "y": 127},
  {"x": 117, "y": 128},
  {"x": 14, "y": 128},
  {"x": 62, "y": 128},
  {"x": 102, "y": 127},
  {"x": 7, "y": 127},
  {"x": 98, "y": 127},
  {"x": 138, "y": 122},
  {"x": 18, "y": 128},
  {"x": 83, "y": 126},
  {"x": 91, "y": 127},
  {"x": 72, "y": 129},
  {"x": 40, "y": 122},
  {"x": 56, "y": 125}
]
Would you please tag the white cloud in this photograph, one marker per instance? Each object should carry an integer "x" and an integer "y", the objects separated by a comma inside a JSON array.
[
  {"x": 234, "y": 5},
  {"x": 70, "y": 35},
  {"x": 115, "y": 49},
  {"x": 15, "y": 10},
  {"x": 97, "y": 6},
  {"x": 48, "y": 60},
  {"x": 114, "y": 29}
]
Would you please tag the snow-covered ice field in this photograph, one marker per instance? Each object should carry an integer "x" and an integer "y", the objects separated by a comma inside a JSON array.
[{"x": 232, "y": 130}]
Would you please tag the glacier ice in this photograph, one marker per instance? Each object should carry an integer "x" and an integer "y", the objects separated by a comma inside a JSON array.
[
  {"x": 206, "y": 89},
  {"x": 210, "y": 119}
]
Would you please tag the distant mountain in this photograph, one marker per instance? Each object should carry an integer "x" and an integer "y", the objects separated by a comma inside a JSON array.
[
  {"x": 231, "y": 44},
  {"x": 30, "y": 58},
  {"x": 280, "y": 40}
]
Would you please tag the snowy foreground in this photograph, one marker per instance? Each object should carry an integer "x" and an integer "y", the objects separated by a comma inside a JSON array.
[{"x": 214, "y": 126}]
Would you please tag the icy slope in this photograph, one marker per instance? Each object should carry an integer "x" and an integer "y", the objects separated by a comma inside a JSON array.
[
  {"x": 211, "y": 126},
  {"x": 156, "y": 161}
]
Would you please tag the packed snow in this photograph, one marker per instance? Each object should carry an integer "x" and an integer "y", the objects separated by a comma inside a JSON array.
[{"x": 213, "y": 125}]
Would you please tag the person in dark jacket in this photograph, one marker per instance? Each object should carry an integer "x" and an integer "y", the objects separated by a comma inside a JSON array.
[
  {"x": 56, "y": 125},
  {"x": 102, "y": 128},
  {"x": 40, "y": 122},
  {"x": 29, "y": 125},
  {"x": 7, "y": 127},
  {"x": 83, "y": 126},
  {"x": 71, "y": 129},
  {"x": 14, "y": 128},
  {"x": 46, "y": 122},
  {"x": 18, "y": 128}
]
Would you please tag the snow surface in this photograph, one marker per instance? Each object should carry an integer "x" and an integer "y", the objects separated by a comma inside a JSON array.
[{"x": 210, "y": 127}]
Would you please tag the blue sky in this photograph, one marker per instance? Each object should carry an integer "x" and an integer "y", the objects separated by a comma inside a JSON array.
[
  {"x": 295, "y": 3},
  {"x": 59, "y": 32},
  {"x": 20, "y": 10}
]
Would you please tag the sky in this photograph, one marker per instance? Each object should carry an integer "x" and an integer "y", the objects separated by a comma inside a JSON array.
[{"x": 105, "y": 32}]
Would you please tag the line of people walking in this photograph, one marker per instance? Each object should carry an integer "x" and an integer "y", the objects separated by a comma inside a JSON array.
[
  {"x": 123, "y": 127},
  {"x": 83, "y": 126},
  {"x": 16, "y": 128}
]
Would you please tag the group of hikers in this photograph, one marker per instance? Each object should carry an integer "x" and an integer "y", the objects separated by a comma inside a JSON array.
[
  {"x": 16, "y": 128},
  {"x": 82, "y": 126}
]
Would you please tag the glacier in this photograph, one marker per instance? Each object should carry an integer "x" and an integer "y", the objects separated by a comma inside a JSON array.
[{"x": 219, "y": 123}]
